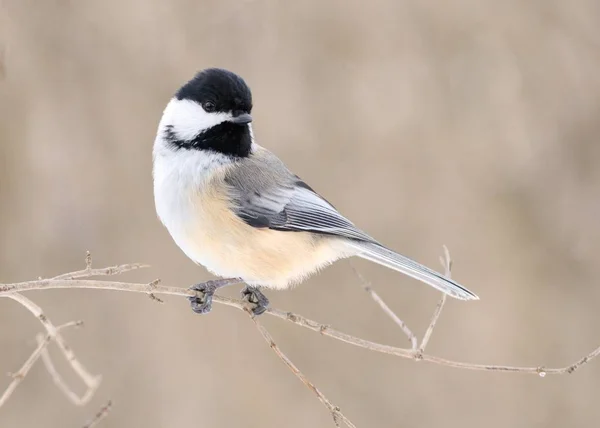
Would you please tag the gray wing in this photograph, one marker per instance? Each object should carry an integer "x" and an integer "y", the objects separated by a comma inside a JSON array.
[{"x": 267, "y": 195}]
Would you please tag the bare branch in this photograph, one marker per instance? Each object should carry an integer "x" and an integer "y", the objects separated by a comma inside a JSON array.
[
  {"x": 53, "y": 333},
  {"x": 152, "y": 286},
  {"x": 22, "y": 372},
  {"x": 335, "y": 410},
  {"x": 46, "y": 284},
  {"x": 446, "y": 262},
  {"x": 59, "y": 381},
  {"x": 19, "y": 376},
  {"x": 107, "y": 271},
  {"x": 74, "y": 280},
  {"x": 432, "y": 323},
  {"x": 90, "y": 381},
  {"x": 389, "y": 312},
  {"x": 102, "y": 413}
]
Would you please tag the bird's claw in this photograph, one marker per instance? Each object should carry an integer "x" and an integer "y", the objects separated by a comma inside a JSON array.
[
  {"x": 202, "y": 302},
  {"x": 257, "y": 298}
]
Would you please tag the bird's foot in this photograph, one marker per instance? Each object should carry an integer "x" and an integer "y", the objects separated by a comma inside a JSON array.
[
  {"x": 253, "y": 295},
  {"x": 202, "y": 303}
]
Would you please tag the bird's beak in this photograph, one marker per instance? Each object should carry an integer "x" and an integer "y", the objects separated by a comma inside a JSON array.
[{"x": 242, "y": 119}]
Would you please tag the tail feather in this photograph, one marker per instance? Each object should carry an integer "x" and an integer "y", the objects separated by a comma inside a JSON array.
[{"x": 388, "y": 258}]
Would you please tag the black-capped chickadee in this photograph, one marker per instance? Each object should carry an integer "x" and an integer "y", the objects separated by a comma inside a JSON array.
[{"x": 234, "y": 207}]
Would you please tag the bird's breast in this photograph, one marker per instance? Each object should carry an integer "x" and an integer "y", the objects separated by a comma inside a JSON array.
[{"x": 199, "y": 217}]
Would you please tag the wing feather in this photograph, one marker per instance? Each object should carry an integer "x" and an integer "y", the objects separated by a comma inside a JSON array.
[
  {"x": 297, "y": 209},
  {"x": 280, "y": 200},
  {"x": 266, "y": 194}
]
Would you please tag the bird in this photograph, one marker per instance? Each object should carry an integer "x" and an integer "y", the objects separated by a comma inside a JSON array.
[{"x": 234, "y": 207}]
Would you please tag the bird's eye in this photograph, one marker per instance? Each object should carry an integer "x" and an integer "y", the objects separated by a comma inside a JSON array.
[{"x": 209, "y": 106}]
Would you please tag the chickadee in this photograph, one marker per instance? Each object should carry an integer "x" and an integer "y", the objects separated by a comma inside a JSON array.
[{"x": 234, "y": 207}]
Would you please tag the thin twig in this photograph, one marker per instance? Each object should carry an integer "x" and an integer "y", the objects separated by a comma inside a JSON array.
[
  {"x": 46, "y": 284},
  {"x": 102, "y": 413},
  {"x": 446, "y": 262},
  {"x": 151, "y": 286},
  {"x": 22, "y": 372},
  {"x": 59, "y": 381},
  {"x": 388, "y": 311},
  {"x": 107, "y": 271},
  {"x": 91, "y": 382},
  {"x": 335, "y": 411},
  {"x": 19, "y": 376},
  {"x": 53, "y": 333},
  {"x": 432, "y": 323}
]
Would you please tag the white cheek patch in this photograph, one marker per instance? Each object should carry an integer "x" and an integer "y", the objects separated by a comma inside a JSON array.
[{"x": 188, "y": 118}]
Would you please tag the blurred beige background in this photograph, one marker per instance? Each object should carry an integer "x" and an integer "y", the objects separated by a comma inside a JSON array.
[{"x": 473, "y": 124}]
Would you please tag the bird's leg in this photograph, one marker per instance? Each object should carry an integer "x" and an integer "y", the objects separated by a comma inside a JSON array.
[
  {"x": 254, "y": 296},
  {"x": 202, "y": 304}
]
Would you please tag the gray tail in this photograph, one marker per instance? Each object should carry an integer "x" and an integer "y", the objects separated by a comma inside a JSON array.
[{"x": 388, "y": 258}]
